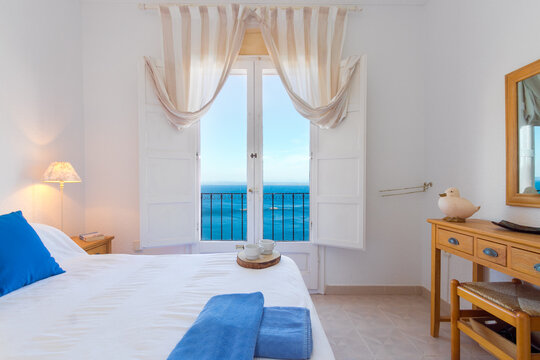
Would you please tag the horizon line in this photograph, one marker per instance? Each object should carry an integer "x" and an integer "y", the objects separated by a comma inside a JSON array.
[{"x": 243, "y": 183}]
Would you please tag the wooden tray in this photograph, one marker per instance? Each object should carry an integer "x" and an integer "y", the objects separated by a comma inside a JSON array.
[
  {"x": 516, "y": 227},
  {"x": 262, "y": 262}
]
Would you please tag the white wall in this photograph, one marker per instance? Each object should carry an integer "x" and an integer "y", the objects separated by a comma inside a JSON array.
[
  {"x": 470, "y": 46},
  {"x": 435, "y": 112},
  {"x": 117, "y": 34},
  {"x": 115, "y": 37},
  {"x": 391, "y": 36},
  {"x": 40, "y": 108}
]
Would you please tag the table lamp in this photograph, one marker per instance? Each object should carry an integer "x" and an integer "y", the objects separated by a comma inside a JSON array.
[{"x": 61, "y": 172}]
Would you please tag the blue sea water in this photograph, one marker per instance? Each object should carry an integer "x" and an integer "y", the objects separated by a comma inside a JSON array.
[{"x": 285, "y": 212}]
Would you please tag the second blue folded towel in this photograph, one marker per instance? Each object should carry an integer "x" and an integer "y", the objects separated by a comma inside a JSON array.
[{"x": 285, "y": 333}]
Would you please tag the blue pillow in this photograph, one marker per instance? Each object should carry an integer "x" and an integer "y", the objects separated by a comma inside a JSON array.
[{"x": 23, "y": 257}]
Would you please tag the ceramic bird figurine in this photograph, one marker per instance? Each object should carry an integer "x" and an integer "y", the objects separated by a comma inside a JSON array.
[{"x": 456, "y": 208}]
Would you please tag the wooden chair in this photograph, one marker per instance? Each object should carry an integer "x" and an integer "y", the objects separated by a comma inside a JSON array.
[{"x": 513, "y": 302}]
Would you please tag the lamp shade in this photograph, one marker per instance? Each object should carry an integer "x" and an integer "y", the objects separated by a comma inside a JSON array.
[{"x": 61, "y": 171}]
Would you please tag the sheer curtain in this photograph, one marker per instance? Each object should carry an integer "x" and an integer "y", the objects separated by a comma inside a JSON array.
[
  {"x": 200, "y": 45},
  {"x": 305, "y": 45}
]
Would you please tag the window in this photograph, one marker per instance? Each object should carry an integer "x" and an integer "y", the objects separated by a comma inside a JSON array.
[
  {"x": 286, "y": 160},
  {"x": 263, "y": 192},
  {"x": 223, "y": 143},
  {"x": 170, "y": 171}
]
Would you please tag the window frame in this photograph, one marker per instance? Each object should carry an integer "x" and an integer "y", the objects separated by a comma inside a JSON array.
[{"x": 255, "y": 67}]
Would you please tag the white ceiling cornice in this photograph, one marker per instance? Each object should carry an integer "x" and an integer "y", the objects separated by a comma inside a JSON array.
[{"x": 276, "y": 2}]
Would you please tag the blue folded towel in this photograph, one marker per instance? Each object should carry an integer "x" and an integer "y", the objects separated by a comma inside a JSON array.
[
  {"x": 285, "y": 333},
  {"x": 226, "y": 328}
]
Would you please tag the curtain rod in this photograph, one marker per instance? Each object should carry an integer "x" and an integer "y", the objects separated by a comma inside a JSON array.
[{"x": 147, "y": 6}]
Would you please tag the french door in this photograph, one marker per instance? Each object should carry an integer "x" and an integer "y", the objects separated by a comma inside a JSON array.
[
  {"x": 172, "y": 164},
  {"x": 268, "y": 150}
]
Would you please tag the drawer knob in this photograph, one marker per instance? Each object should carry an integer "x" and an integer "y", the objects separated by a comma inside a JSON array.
[
  {"x": 453, "y": 241},
  {"x": 537, "y": 267},
  {"x": 490, "y": 252}
]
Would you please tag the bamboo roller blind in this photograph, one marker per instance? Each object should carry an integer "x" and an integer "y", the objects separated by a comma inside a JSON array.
[{"x": 253, "y": 43}]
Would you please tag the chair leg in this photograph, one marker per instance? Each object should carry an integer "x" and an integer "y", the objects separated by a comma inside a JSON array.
[
  {"x": 454, "y": 317},
  {"x": 523, "y": 336}
]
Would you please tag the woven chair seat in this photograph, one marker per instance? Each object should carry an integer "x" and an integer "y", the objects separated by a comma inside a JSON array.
[{"x": 511, "y": 296}]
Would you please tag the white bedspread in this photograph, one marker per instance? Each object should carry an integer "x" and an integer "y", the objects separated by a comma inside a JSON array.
[{"x": 135, "y": 307}]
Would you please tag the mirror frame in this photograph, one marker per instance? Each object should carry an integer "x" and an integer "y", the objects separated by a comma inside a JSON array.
[{"x": 513, "y": 197}]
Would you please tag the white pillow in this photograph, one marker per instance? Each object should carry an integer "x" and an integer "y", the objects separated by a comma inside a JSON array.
[{"x": 60, "y": 246}]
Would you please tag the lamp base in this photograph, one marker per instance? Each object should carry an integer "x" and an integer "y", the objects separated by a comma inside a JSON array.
[{"x": 62, "y": 206}]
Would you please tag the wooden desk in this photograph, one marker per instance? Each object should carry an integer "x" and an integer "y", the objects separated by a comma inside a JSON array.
[{"x": 486, "y": 245}]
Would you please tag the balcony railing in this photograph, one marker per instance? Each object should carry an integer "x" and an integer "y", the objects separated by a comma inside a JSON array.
[{"x": 285, "y": 216}]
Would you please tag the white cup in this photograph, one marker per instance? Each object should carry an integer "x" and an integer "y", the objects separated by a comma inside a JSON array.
[
  {"x": 252, "y": 251},
  {"x": 267, "y": 246}
]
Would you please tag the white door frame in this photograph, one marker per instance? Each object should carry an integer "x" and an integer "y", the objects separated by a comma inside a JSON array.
[{"x": 304, "y": 253}]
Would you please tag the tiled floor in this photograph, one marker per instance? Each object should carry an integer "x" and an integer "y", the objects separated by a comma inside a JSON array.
[{"x": 385, "y": 327}]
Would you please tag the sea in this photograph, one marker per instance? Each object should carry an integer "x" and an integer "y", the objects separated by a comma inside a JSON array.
[{"x": 285, "y": 212}]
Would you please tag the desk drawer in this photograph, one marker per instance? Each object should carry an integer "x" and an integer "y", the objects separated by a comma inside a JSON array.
[
  {"x": 102, "y": 249},
  {"x": 455, "y": 240},
  {"x": 491, "y": 251},
  {"x": 527, "y": 262}
]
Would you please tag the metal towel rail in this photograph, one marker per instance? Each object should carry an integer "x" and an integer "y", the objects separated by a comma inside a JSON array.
[{"x": 423, "y": 188}]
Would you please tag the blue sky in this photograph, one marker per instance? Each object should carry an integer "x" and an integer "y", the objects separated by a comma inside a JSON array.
[{"x": 224, "y": 136}]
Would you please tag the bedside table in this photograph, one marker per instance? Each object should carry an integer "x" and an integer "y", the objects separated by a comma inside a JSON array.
[{"x": 95, "y": 247}]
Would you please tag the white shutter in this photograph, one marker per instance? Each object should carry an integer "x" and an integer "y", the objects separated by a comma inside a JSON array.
[
  {"x": 338, "y": 174},
  {"x": 168, "y": 174}
]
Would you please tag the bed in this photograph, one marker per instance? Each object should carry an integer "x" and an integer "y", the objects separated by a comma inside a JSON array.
[{"x": 132, "y": 306}]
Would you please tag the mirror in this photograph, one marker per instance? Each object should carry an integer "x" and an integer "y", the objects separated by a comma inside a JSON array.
[
  {"x": 523, "y": 136},
  {"x": 528, "y": 135}
]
